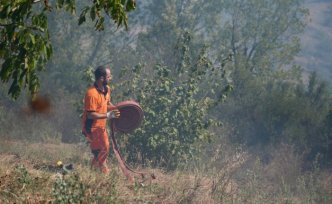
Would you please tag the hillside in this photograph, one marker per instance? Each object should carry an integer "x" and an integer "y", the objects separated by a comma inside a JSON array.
[
  {"x": 214, "y": 131},
  {"x": 29, "y": 174}
]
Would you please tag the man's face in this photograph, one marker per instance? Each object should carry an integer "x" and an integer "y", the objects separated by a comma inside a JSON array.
[{"x": 108, "y": 77}]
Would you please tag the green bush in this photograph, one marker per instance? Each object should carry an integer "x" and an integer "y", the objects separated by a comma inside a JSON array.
[{"x": 177, "y": 102}]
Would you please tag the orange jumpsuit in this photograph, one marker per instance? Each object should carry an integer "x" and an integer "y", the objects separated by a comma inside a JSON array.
[{"x": 95, "y": 130}]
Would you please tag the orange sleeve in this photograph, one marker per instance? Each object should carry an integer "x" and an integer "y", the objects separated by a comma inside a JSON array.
[{"x": 91, "y": 103}]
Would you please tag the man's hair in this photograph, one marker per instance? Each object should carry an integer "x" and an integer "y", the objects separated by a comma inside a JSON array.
[{"x": 100, "y": 71}]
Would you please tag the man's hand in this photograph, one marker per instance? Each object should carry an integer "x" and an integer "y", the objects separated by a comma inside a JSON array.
[{"x": 113, "y": 114}]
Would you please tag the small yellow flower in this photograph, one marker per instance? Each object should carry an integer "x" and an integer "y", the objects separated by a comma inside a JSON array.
[{"x": 59, "y": 163}]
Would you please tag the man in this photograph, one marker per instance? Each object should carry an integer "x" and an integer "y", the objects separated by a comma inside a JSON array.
[{"x": 97, "y": 110}]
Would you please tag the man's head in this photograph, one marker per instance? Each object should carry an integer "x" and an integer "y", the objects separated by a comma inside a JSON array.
[{"x": 103, "y": 75}]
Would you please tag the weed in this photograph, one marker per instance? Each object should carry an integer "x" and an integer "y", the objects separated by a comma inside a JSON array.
[
  {"x": 23, "y": 176},
  {"x": 68, "y": 190}
]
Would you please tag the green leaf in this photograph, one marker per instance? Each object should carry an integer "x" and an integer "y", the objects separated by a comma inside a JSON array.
[
  {"x": 131, "y": 5},
  {"x": 14, "y": 89},
  {"x": 33, "y": 40},
  {"x": 100, "y": 24},
  {"x": 6, "y": 70},
  {"x": 81, "y": 19},
  {"x": 93, "y": 13},
  {"x": 49, "y": 51}
]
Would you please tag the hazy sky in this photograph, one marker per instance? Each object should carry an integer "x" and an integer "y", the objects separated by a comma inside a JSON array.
[{"x": 316, "y": 41}]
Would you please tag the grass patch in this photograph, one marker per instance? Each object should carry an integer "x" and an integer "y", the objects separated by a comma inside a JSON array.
[{"x": 28, "y": 174}]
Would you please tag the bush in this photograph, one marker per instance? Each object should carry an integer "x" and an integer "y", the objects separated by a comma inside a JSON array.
[{"x": 176, "y": 103}]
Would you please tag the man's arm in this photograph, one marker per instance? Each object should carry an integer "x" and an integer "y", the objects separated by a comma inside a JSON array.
[
  {"x": 95, "y": 115},
  {"x": 110, "y": 106},
  {"x": 115, "y": 113}
]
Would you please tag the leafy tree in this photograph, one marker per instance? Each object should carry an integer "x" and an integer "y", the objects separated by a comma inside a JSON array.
[
  {"x": 167, "y": 20},
  {"x": 25, "y": 44},
  {"x": 260, "y": 34},
  {"x": 263, "y": 33}
]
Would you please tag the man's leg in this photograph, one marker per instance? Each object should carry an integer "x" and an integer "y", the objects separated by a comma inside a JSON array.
[
  {"x": 104, "y": 151},
  {"x": 94, "y": 161},
  {"x": 93, "y": 141}
]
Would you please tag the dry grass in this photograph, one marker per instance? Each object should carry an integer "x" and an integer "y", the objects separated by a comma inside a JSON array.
[{"x": 28, "y": 174}]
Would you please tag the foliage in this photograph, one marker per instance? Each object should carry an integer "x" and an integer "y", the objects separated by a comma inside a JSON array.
[
  {"x": 23, "y": 176},
  {"x": 280, "y": 108},
  {"x": 167, "y": 21},
  {"x": 176, "y": 103},
  {"x": 260, "y": 34},
  {"x": 25, "y": 44},
  {"x": 68, "y": 190}
]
